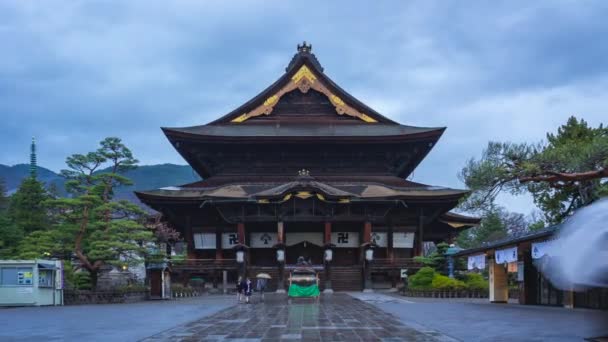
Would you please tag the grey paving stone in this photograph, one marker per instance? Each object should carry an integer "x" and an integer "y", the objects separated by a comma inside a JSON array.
[{"x": 334, "y": 318}]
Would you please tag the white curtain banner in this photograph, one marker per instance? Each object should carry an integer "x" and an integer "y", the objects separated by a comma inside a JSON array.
[
  {"x": 403, "y": 240},
  {"x": 506, "y": 255},
  {"x": 380, "y": 239},
  {"x": 476, "y": 262},
  {"x": 540, "y": 249},
  {"x": 229, "y": 240},
  {"x": 295, "y": 238},
  {"x": 204, "y": 241},
  {"x": 345, "y": 239},
  {"x": 263, "y": 240}
]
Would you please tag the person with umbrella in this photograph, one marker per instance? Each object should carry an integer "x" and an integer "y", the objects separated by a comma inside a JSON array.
[{"x": 262, "y": 280}]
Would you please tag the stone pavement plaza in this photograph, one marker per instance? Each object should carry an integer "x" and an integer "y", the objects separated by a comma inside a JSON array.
[{"x": 339, "y": 317}]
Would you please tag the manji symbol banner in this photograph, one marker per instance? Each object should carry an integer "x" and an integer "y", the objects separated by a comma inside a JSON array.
[
  {"x": 229, "y": 240},
  {"x": 345, "y": 239}
]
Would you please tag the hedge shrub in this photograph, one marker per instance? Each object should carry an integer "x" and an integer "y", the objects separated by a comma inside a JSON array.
[
  {"x": 441, "y": 282},
  {"x": 423, "y": 279},
  {"x": 475, "y": 281}
]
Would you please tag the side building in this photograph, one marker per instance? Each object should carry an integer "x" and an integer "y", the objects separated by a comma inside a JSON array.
[{"x": 305, "y": 171}]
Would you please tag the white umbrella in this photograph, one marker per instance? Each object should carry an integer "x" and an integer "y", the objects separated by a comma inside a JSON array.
[{"x": 263, "y": 276}]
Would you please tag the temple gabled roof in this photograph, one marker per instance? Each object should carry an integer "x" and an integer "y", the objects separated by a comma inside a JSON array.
[
  {"x": 304, "y": 73},
  {"x": 303, "y": 102},
  {"x": 257, "y": 189}
]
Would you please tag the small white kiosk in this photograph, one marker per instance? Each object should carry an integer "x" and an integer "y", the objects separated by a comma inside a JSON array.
[{"x": 31, "y": 282}]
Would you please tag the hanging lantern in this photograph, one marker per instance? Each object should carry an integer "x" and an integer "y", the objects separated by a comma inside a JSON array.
[
  {"x": 240, "y": 256},
  {"x": 369, "y": 254},
  {"x": 329, "y": 254}
]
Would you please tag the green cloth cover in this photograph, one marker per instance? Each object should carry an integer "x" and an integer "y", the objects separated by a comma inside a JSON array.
[{"x": 303, "y": 291}]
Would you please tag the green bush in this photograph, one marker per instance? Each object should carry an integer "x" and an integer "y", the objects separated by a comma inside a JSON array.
[
  {"x": 441, "y": 282},
  {"x": 82, "y": 280},
  {"x": 423, "y": 279},
  {"x": 475, "y": 281}
]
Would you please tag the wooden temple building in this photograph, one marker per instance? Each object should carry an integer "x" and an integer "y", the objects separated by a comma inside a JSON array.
[{"x": 306, "y": 171}]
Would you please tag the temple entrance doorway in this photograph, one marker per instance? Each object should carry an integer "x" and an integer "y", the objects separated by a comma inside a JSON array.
[
  {"x": 310, "y": 252},
  {"x": 304, "y": 240}
]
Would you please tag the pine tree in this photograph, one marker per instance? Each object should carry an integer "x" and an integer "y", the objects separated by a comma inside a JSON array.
[
  {"x": 4, "y": 200},
  {"x": 26, "y": 208}
]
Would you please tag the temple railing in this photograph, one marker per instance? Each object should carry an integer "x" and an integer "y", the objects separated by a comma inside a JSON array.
[
  {"x": 384, "y": 264},
  {"x": 203, "y": 264}
]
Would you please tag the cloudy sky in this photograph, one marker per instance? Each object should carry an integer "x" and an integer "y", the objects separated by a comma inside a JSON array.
[{"x": 74, "y": 72}]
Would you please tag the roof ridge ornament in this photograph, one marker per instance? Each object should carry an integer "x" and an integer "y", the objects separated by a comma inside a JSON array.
[
  {"x": 304, "y": 172},
  {"x": 304, "y": 48}
]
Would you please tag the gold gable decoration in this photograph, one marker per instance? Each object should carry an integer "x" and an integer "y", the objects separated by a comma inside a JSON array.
[{"x": 304, "y": 79}]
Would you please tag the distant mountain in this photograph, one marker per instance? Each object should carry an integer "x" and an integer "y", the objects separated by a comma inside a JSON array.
[
  {"x": 145, "y": 177},
  {"x": 13, "y": 175}
]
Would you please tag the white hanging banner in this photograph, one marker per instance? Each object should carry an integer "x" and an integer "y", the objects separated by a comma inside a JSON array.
[
  {"x": 476, "y": 262},
  {"x": 263, "y": 240},
  {"x": 540, "y": 249},
  {"x": 295, "y": 238},
  {"x": 403, "y": 240},
  {"x": 345, "y": 239},
  {"x": 380, "y": 239},
  {"x": 506, "y": 255},
  {"x": 229, "y": 240},
  {"x": 204, "y": 241}
]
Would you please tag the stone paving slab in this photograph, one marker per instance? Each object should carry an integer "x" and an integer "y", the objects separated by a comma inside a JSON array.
[{"x": 337, "y": 317}]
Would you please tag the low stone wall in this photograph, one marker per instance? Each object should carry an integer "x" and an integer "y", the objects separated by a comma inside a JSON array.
[
  {"x": 446, "y": 293},
  {"x": 79, "y": 297}
]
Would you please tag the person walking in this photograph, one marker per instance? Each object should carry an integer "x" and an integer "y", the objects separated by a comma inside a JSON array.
[
  {"x": 239, "y": 290},
  {"x": 247, "y": 288},
  {"x": 261, "y": 286}
]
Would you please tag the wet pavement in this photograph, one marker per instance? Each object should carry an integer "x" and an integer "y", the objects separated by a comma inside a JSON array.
[{"x": 338, "y": 317}]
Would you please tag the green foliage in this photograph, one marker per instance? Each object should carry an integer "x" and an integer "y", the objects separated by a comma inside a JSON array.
[
  {"x": 423, "y": 279},
  {"x": 441, "y": 282},
  {"x": 475, "y": 281},
  {"x": 82, "y": 280},
  {"x": 566, "y": 172},
  {"x": 491, "y": 228},
  {"x": 27, "y": 209},
  {"x": 4, "y": 200},
  {"x": 436, "y": 260},
  {"x": 10, "y": 235},
  {"x": 99, "y": 229}
]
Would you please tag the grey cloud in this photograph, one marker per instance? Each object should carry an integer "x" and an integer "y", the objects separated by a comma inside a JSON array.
[{"x": 72, "y": 73}]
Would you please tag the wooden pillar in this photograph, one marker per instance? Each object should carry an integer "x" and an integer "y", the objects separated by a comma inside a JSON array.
[
  {"x": 280, "y": 233},
  {"x": 367, "y": 271},
  {"x": 281, "y": 264},
  {"x": 219, "y": 255},
  {"x": 327, "y": 264},
  {"x": 189, "y": 239},
  {"x": 367, "y": 232},
  {"x": 389, "y": 243},
  {"x": 327, "y": 235},
  {"x": 240, "y": 229},
  {"x": 420, "y": 236},
  {"x": 499, "y": 287}
]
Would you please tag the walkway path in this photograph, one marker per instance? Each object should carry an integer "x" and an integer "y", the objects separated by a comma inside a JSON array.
[
  {"x": 338, "y": 317},
  {"x": 479, "y": 320},
  {"x": 106, "y": 322}
]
